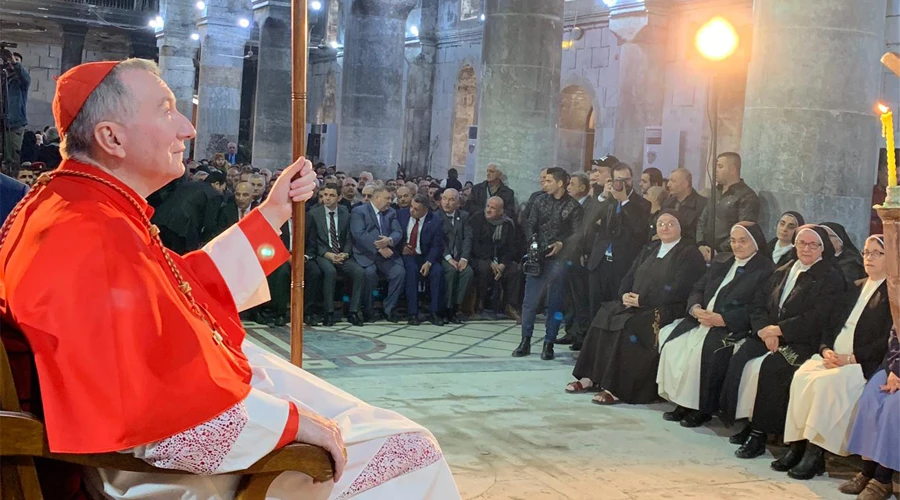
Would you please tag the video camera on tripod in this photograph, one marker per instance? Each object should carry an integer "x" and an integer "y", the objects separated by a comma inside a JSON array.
[{"x": 7, "y": 72}]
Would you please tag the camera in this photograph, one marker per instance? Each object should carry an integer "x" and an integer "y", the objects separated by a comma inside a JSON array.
[{"x": 533, "y": 259}]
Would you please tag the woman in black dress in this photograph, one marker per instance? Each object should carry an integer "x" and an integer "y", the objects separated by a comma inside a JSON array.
[
  {"x": 621, "y": 351},
  {"x": 790, "y": 312},
  {"x": 847, "y": 257},
  {"x": 781, "y": 247},
  {"x": 694, "y": 351}
]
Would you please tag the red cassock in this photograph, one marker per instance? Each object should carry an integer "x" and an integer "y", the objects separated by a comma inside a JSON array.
[{"x": 120, "y": 357}]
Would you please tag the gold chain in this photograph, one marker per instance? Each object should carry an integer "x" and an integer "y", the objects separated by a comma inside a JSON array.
[{"x": 183, "y": 286}]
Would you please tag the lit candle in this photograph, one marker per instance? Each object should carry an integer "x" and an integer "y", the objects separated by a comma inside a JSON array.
[{"x": 887, "y": 131}]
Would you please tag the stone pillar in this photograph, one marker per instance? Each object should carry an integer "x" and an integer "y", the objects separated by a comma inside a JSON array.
[
  {"x": 420, "y": 96},
  {"x": 370, "y": 136},
  {"x": 177, "y": 51},
  {"x": 73, "y": 47},
  {"x": 221, "y": 74},
  {"x": 272, "y": 135},
  {"x": 518, "y": 114},
  {"x": 810, "y": 132},
  {"x": 641, "y": 29}
]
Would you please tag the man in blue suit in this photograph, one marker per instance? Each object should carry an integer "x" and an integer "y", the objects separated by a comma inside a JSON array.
[
  {"x": 376, "y": 232},
  {"x": 423, "y": 246},
  {"x": 11, "y": 191}
]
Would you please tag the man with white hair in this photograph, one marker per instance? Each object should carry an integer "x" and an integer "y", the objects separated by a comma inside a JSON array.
[
  {"x": 492, "y": 186},
  {"x": 149, "y": 356}
]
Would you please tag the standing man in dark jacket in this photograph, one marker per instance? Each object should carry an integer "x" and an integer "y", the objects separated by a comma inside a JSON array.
[
  {"x": 577, "y": 301},
  {"x": 492, "y": 186},
  {"x": 422, "y": 253},
  {"x": 17, "y": 81},
  {"x": 457, "y": 253},
  {"x": 621, "y": 218},
  {"x": 685, "y": 200},
  {"x": 552, "y": 230},
  {"x": 494, "y": 256},
  {"x": 189, "y": 217},
  {"x": 735, "y": 202}
]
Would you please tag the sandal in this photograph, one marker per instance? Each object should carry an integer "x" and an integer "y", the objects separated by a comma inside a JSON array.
[
  {"x": 577, "y": 387},
  {"x": 605, "y": 398}
]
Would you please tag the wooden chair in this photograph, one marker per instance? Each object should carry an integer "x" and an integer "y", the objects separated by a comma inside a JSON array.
[{"x": 23, "y": 438}]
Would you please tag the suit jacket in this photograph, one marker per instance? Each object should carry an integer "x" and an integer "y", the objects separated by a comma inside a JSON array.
[
  {"x": 806, "y": 311},
  {"x": 191, "y": 212},
  {"x": 318, "y": 226},
  {"x": 457, "y": 235},
  {"x": 478, "y": 200},
  {"x": 483, "y": 245},
  {"x": 735, "y": 301},
  {"x": 364, "y": 230},
  {"x": 872, "y": 329},
  {"x": 625, "y": 230},
  {"x": 229, "y": 215},
  {"x": 689, "y": 212},
  {"x": 11, "y": 191},
  {"x": 431, "y": 235}
]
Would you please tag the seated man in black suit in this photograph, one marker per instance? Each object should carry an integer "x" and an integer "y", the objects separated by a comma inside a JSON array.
[
  {"x": 328, "y": 233},
  {"x": 457, "y": 252},
  {"x": 423, "y": 250},
  {"x": 375, "y": 233},
  {"x": 494, "y": 257},
  {"x": 235, "y": 207},
  {"x": 276, "y": 311},
  {"x": 189, "y": 217}
]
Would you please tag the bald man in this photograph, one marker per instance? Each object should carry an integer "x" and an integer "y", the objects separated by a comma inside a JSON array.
[
  {"x": 685, "y": 200},
  {"x": 494, "y": 259}
]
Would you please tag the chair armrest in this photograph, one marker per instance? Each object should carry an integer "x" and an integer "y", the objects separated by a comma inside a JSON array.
[
  {"x": 21, "y": 434},
  {"x": 308, "y": 459}
]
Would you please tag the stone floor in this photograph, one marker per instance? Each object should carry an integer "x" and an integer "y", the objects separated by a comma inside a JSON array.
[{"x": 510, "y": 432}]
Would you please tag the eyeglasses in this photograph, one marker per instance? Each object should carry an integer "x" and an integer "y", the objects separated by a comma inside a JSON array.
[
  {"x": 811, "y": 246},
  {"x": 667, "y": 224},
  {"x": 873, "y": 254}
]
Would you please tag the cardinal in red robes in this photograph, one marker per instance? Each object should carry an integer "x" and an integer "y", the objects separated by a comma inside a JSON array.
[{"x": 141, "y": 350}]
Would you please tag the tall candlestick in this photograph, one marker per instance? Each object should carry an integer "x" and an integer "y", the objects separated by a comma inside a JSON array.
[{"x": 887, "y": 131}]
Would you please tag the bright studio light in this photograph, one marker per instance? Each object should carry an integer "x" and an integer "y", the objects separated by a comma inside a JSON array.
[
  {"x": 200, "y": 5},
  {"x": 610, "y": 3},
  {"x": 156, "y": 23},
  {"x": 195, "y": 36},
  {"x": 334, "y": 44},
  {"x": 243, "y": 23},
  {"x": 717, "y": 39},
  {"x": 883, "y": 108},
  {"x": 482, "y": 17},
  {"x": 414, "y": 30},
  {"x": 315, "y": 5}
]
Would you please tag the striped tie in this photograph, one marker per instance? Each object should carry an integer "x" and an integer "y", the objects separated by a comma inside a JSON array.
[{"x": 335, "y": 244}]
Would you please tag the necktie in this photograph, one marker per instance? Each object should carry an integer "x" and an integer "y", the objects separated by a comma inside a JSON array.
[
  {"x": 335, "y": 247},
  {"x": 381, "y": 222},
  {"x": 414, "y": 236}
]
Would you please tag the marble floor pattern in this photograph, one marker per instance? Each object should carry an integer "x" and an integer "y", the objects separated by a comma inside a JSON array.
[{"x": 510, "y": 432}]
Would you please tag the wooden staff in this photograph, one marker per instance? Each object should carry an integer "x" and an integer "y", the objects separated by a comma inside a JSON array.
[{"x": 299, "y": 51}]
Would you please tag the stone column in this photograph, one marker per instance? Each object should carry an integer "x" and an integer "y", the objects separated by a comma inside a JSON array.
[
  {"x": 810, "y": 133},
  {"x": 221, "y": 74},
  {"x": 420, "y": 95},
  {"x": 641, "y": 29},
  {"x": 370, "y": 136},
  {"x": 272, "y": 135},
  {"x": 177, "y": 51},
  {"x": 519, "y": 110},
  {"x": 73, "y": 47}
]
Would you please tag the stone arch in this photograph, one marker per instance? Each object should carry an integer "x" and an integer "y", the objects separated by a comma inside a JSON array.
[
  {"x": 463, "y": 117},
  {"x": 575, "y": 140}
]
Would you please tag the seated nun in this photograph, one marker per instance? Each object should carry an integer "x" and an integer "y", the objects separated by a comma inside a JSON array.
[
  {"x": 790, "y": 312},
  {"x": 621, "y": 352},
  {"x": 783, "y": 243},
  {"x": 826, "y": 388},
  {"x": 694, "y": 351},
  {"x": 876, "y": 433},
  {"x": 847, "y": 257}
]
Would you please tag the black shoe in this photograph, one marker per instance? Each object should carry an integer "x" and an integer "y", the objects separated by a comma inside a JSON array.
[
  {"x": 280, "y": 321},
  {"x": 355, "y": 319},
  {"x": 754, "y": 446},
  {"x": 312, "y": 320},
  {"x": 676, "y": 415},
  {"x": 329, "y": 320},
  {"x": 565, "y": 339},
  {"x": 576, "y": 346},
  {"x": 790, "y": 459},
  {"x": 547, "y": 352},
  {"x": 524, "y": 348},
  {"x": 436, "y": 320},
  {"x": 695, "y": 419},
  {"x": 393, "y": 317},
  {"x": 453, "y": 317},
  {"x": 812, "y": 464},
  {"x": 740, "y": 437},
  {"x": 413, "y": 321}
]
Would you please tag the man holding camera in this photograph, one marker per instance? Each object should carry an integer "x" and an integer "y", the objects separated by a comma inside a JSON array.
[
  {"x": 16, "y": 80},
  {"x": 553, "y": 232}
]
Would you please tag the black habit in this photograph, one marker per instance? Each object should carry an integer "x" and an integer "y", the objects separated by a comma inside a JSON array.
[{"x": 621, "y": 351}]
